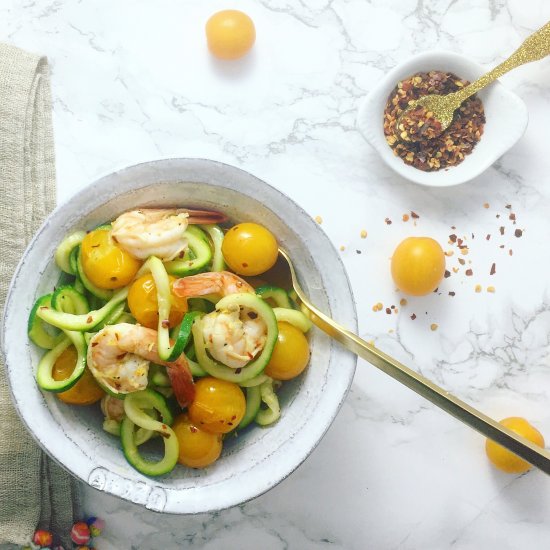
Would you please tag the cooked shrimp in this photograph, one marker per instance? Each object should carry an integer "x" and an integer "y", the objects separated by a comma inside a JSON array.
[
  {"x": 221, "y": 283},
  {"x": 158, "y": 231},
  {"x": 119, "y": 356},
  {"x": 234, "y": 336},
  {"x": 112, "y": 408}
]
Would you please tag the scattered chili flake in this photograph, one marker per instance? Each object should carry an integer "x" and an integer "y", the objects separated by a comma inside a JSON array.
[
  {"x": 461, "y": 261},
  {"x": 396, "y": 310},
  {"x": 403, "y": 302},
  {"x": 388, "y": 311},
  {"x": 491, "y": 289},
  {"x": 165, "y": 323},
  {"x": 447, "y": 274},
  {"x": 453, "y": 227},
  {"x": 414, "y": 215},
  {"x": 518, "y": 233},
  {"x": 497, "y": 216},
  {"x": 512, "y": 216},
  {"x": 508, "y": 206},
  {"x": 455, "y": 269},
  {"x": 388, "y": 221},
  {"x": 510, "y": 252},
  {"x": 501, "y": 246},
  {"x": 452, "y": 238},
  {"x": 89, "y": 319},
  {"x": 488, "y": 237},
  {"x": 392, "y": 307},
  {"x": 501, "y": 229},
  {"x": 358, "y": 251},
  {"x": 464, "y": 251},
  {"x": 413, "y": 316},
  {"x": 449, "y": 253},
  {"x": 252, "y": 315},
  {"x": 319, "y": 220},
  {"x": 493, "y": 269},
  {"x": 446, "y": 149},
  {"x": 485, "y": 205},
  {"x": 452, "y": 293},
  {"x": 478, "y": 288},
  {"x": 433, "y": 326},
  {"x": 363, "y": 234},
  {"x": 469, "y": 273},
  {"x": 405, "y": 217}
]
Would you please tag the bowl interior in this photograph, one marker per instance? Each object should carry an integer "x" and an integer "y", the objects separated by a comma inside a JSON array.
[
  {"x": 258, "y": 458},
  {"x": 506, "y": 119}
]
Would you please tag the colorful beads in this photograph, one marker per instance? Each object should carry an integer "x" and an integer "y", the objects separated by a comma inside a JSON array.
[
  {"x": 96, "y": 525},
  {"x": 80, "y": 533},
  {"x": 42, "y": 538}
]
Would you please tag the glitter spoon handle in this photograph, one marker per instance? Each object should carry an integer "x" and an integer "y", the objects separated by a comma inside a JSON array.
[{"x": 534, "y": 48}]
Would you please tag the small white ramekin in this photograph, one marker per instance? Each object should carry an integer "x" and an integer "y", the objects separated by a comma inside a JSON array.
[{"x": 505, "y": 112}]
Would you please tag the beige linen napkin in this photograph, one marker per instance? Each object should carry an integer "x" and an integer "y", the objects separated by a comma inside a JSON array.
[{"x": 33, "y": 489}]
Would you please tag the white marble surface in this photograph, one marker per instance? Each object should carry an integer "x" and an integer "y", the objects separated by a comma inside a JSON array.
[{"x": 133, "y": 81}]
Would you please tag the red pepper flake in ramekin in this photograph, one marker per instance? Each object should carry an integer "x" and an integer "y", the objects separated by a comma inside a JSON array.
[{"x": 428, "y": 152}]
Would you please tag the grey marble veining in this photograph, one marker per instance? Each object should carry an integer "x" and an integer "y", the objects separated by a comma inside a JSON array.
[{"x": 133, "y": 81}]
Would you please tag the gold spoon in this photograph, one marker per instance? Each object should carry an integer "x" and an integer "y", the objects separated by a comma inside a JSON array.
[
  {"x": 442, "y": 107},
  {"x": 535, "y": 455}
]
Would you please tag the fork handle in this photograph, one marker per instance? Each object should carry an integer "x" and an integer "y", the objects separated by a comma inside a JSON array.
[
  {"x": 535, "y": 455},
  {"x": 535, "y": 47}
]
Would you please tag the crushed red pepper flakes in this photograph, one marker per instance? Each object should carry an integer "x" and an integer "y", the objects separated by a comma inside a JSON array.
[
  {"x": 452, "y": 293},
  {"x": 508, "y": 206},
  {"x": 388, "y": 221},
  {"x": 478, "y": 288},
  {"x": 388, "y": 311},
  {"x": 488, "y": 237},
  {"x": 405, "y": 217},
  {"x": 434, "y": 326},
  {"x": 512, "y": 216},
  {"x": 449, "y": 253},
  {"x": 413, "y": 316},
  {"x": 511, "y": 252},
  {"x": 518, "y": 233},
  {"x": 358, "y": 251},
  {"x": 491, "y": 289},
  {"x": 501, "y": 229},
  {"x": 452, "y": 238},
  {"x": 402, "y": 302},
  {"x": 447, "y": 274},
  {"x": 469, "y": 273},
  {"x": 485, "y": 205},
  {"x": 414, "y": 215},
  {"x": 493, "y": 269},
  {"x": 461, "y": 261}
]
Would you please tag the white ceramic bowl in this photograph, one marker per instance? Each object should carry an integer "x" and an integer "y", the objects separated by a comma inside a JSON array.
[
  {"x": 259, "y": 458},
  {"x": 505, "y": 112}
]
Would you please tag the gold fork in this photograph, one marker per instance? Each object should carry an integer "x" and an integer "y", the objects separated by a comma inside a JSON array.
[
  {"x": 535, "y": 455},
  {"x": 443, "y": 107}
]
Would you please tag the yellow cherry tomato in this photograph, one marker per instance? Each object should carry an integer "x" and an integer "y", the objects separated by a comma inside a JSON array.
[
  {"x": 249, "y": 249},
  {"x": 197, "y": 448},
  {"x": 143, "y": 303},
  {"x": 86, "y": 391},
  {"x": 418, "y": 265},
  {"x": 218, "y": 406},
  {"x": 506, "y": 460},
  {"x": 290, "y": 355},
  {"x": 105, "y": 263},
  {"x": 230, "y": 34}
]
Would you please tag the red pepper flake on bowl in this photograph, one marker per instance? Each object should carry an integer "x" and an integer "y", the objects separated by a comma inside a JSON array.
[{"x": 427, "y": 151}]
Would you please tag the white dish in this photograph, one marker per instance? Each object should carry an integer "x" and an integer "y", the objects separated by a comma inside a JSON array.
[
  {"x": 505, "y": 112},
  {"x": 259, "y": 458}
]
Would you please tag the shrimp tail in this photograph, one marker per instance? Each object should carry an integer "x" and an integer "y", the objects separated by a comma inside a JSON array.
[
  {"x": 205, "y": 216},
  {"x": 182, "y": 381}
]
